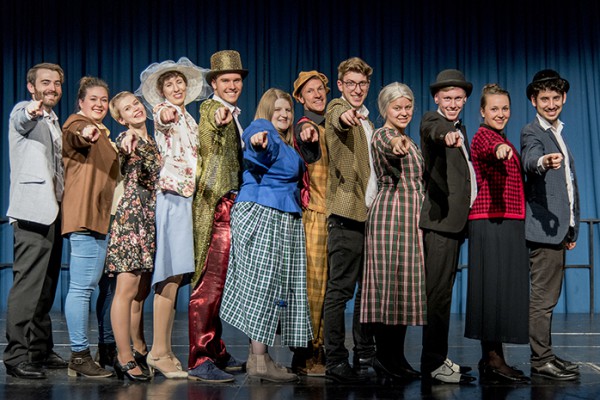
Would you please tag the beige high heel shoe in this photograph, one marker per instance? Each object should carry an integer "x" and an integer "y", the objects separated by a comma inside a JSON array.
[{"x": 166, "y": 366}]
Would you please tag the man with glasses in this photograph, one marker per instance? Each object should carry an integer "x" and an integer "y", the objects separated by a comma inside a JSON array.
[
  {"x": 450, "y": 189},
  {"x": 351, "y": 189}
]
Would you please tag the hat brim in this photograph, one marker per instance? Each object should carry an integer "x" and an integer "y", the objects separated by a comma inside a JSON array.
[
  {"x": 213, "y": 74},
  {"x": 435, "y": 87},
  {"x": 529, "y": 90},
  {"x": 196, "y": 85}
]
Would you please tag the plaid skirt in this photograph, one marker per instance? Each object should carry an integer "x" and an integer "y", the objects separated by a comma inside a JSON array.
[{"x": 266, "y": 279}]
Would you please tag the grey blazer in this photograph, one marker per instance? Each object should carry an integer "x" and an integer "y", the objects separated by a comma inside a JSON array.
[
  {"x": 546, "y": 197},
  {"x": 31, "y": 153}
]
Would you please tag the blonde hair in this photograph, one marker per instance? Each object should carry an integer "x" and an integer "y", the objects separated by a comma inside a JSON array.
[
  {"x": 113, "y": 104},
  {"x": 266, "y": 108},
  {"x": 354, "y": 64}
]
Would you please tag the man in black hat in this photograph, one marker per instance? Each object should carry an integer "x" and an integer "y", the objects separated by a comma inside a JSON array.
[
  {"x": 449, "y": 192},
  {"x": 552, "y": 216}
]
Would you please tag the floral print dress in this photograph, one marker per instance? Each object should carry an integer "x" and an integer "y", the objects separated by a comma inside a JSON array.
[{"x": 132, "y": 236}]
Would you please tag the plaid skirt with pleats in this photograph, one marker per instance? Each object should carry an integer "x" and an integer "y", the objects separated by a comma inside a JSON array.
[{"x": 266, "y": 279}]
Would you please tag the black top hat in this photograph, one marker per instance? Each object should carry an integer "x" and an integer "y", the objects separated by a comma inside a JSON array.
[
  {"x": 546, "y": 75},
  {"x": 449, "y": 78}
]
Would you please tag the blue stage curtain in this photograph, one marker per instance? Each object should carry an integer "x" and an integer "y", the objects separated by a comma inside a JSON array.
[{"x": 505, "y": 42}]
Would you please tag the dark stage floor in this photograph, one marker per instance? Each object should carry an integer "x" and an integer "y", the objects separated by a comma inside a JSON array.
[{"x": 576, "y": 337}]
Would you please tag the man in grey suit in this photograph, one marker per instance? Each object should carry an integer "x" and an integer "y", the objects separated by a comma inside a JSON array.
[
  {"x": 552, "y": 219},
  {"x": 36, "y": 188}
]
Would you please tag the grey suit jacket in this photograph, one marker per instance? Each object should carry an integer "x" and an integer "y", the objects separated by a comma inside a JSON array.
[
  {"x": 547, "y": 200},
  {"x": 31, "y": 153}
]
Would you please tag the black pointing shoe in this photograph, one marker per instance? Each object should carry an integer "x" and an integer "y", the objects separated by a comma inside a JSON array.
[
  {"x": 342, "y": 373},
  {"x": 551, "y": 370},
  {"x": 54, "y": 361},
  {"x": 26, "y": 370},
  {"x": 566, "y": 365}
]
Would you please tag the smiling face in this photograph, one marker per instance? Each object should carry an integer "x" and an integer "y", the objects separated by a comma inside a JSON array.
[
  {"x": 174, "y": 90},
  {"x": 354, "y": 87},
  {"x": 399, "y": 114},
  {"x": 313, "y": 96},
  {"x": 132, "y": 111},
  {"x": 48, "y": 88},
  {"x": 282, "y": 115},
  {"x": 496, "y": 111},
  {"x": 451, "y": 102},
  {"x": 549, "y": 104},
  {"x": 95, "y": 103},
  {"x": 228, "y": 87}
]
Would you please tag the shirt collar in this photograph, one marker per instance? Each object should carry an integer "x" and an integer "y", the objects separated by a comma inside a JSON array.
[
  {"x": 363, "y": 110},
  {"x": 235, "y": 110},
  {"x": 314, "y": 117},
  {"x": 50, "y": 115},
  {"x": 556, "y": 127}
]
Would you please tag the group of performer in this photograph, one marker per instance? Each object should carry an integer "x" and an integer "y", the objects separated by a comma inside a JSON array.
[{"x": 277, "y": 226}]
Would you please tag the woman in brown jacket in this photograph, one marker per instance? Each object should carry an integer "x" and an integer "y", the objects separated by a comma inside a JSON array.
[{"x": 91, "y": 169}]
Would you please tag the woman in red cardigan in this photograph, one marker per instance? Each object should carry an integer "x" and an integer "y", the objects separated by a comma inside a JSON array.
[{"x": 498, "y": 290}]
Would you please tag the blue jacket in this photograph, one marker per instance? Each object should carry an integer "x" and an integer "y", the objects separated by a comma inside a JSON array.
[{"x": 272, "y": 176}]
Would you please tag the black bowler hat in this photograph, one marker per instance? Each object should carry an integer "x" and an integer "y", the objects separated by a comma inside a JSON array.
[
  {"x": 450, "y": 78},
  {"x": 546, "y": 75}
]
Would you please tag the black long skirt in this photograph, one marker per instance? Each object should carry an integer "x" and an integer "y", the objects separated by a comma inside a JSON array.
[{"x": 498, "y": 290}]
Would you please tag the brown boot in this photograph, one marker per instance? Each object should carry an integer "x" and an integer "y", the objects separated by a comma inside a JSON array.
[
  {"x": 82, "y": 364},
  {"x": 263, "y": 367}
]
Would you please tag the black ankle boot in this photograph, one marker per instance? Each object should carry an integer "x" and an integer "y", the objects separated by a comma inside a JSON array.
[{"x": 107, "y": 354}]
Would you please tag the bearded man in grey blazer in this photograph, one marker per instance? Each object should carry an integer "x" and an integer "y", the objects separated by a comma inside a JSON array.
[
  {"x": 36, "y": 188},
  {"x": 552, "y": 216}
]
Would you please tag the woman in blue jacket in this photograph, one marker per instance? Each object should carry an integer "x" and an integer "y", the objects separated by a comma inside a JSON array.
[{"x": 266, "y": 279}]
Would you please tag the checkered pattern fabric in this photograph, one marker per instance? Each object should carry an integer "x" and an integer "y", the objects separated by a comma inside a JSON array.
[
  {"x": 315, "y": 227},
  {"x": 499, "y": 182},
  {"x": 394, "y": 273},
  {"x": 266, "y": 279}
]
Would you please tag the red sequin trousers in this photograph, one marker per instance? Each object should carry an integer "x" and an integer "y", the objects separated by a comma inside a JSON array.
[{"x": 205, "y": 326}]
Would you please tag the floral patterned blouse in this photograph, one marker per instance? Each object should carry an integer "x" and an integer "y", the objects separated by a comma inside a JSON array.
[
  {"x": 178, "y": 145},
  {"x": 132, "y": 234}
]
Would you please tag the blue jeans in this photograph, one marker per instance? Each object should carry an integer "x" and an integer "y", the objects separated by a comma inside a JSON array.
[
  {"x": 88, "y": 252},
  {"x": 107, "y": 286}
]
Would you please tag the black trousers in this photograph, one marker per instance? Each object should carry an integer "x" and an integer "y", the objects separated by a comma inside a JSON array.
[
  {"x": 441, "y": 261},
  {"x": 345, "y": 257},
  {"x": 36, "y": 269},
  {"x": 547, "y": 271}
]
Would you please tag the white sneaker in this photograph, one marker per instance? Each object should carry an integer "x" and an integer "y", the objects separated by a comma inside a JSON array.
[
  {"x": 452, "y": 365},
  {"x": 445, "y": 373}
]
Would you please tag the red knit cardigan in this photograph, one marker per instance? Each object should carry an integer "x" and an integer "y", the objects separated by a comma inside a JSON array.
[{"x": 500, "y": 191}]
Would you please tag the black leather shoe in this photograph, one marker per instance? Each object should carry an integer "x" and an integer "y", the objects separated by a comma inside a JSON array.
[
  {"x": 398, "y": 373},
  {"x": 408, "y": 372},
  {"x": 489, "y": 374},
  {"x": 54, "y": 361},
  {"x": 566, "y": 365},
  {"x": 26, "y": 370},
  {"x": 362, "y": 362},
  {"x": 551, "y": 370},
  {"x": 342, "y": 373}
]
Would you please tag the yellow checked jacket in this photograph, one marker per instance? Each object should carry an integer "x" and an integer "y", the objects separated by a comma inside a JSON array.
[
  {"x": 349, "y": 168},
  {"x": 218, "y": 172}
]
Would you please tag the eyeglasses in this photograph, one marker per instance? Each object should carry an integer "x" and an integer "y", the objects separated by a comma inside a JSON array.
[{"x": 352, "y": 85}]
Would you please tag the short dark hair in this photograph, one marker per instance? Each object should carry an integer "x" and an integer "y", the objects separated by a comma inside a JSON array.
[{"x": 168, "y": 75}]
